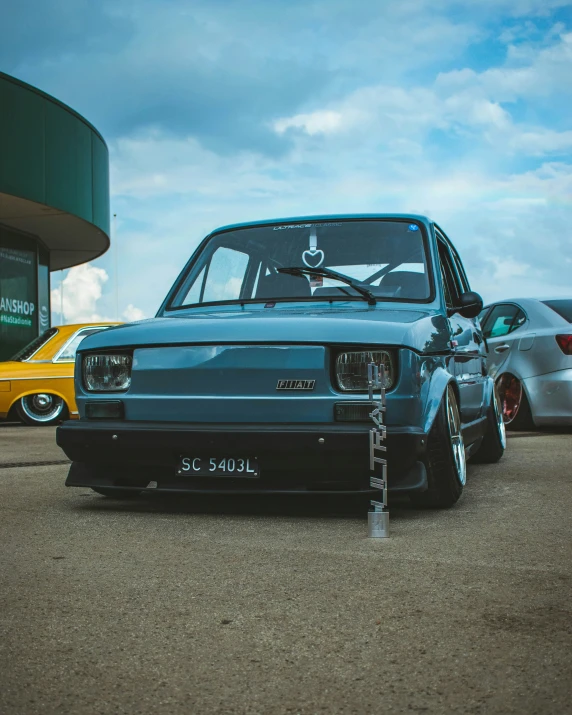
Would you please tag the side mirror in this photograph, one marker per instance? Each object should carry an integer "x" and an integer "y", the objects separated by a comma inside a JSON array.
[{"x": 470, "y": 305}]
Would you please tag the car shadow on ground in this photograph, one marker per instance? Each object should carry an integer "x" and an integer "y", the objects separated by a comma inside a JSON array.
[
  {"x": 539, "y": 432},
  {"x": 299, "y": 505},
  {"x": 307, "y": 506}
]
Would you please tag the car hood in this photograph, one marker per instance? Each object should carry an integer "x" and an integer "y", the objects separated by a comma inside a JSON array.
[{"x": 421, "y": 330}]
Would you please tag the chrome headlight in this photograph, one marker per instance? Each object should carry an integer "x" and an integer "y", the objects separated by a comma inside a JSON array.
[
  {"x": 351, "y": 369},
  {"x": 106, "y": 372}
]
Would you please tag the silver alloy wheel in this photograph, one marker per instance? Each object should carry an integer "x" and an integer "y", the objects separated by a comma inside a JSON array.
[
  {"x": 42, "y": 407},
  {"x": 499, "y": 418},
  {"x": 456, "y": 435}
]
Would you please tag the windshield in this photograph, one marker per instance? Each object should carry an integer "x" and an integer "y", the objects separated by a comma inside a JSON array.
[
  {"x": 387, "y": 257},
  {"x": 70, "y": 349}
]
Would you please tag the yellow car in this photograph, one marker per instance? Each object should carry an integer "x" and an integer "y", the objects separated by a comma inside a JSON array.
[{"x": 36, "y": 385}]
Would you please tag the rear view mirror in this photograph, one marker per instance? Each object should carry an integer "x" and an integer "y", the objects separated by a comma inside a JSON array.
[{"x": 470, "y": 304}]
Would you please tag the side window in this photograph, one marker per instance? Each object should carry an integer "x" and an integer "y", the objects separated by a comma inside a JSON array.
[
  {"x": 194, "y": 294},
  {"x": 221, "y": 279},
  {"x": 483, "y": 314},
  {"x": 461, "y": 272},
  {"x": 518, "y": 321},
  {"x": 69, "y": 351},
  {"x": 502, "y": 320},
  {"x": 446, "y": 286},
  {"x": 451, "y": 285}
]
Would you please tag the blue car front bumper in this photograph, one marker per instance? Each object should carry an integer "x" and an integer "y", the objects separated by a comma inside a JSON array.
[{"x": 292, "y": 458}]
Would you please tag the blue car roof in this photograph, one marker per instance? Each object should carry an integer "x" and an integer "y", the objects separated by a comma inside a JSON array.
[{"x": 321, "y": 217}]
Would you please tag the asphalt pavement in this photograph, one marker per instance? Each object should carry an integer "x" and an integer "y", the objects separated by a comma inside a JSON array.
[{"x": 283, "y": 605}]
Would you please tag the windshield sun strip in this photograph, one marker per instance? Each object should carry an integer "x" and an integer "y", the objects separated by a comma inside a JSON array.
[{"x": 309, "y": 299}]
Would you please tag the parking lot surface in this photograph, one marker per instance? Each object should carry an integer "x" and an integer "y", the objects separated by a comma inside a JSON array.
[{"x": 283, "y": 605}]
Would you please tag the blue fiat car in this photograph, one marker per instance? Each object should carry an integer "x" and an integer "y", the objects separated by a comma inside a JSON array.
[{"x": 253, "y": 376}]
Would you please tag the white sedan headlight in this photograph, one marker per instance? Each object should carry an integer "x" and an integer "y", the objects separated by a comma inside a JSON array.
[
  {"x": 351, "y": 369},
  {"x": 107, "y": 372}
]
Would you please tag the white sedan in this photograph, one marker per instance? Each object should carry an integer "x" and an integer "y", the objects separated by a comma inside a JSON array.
[{"x": 530, "y": 357}]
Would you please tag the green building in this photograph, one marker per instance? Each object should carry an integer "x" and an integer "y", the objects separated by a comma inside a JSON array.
[{"x": 54, "y": 204}]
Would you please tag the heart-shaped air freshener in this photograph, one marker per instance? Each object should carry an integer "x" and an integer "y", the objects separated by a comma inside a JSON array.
[{"x": 313, "y": 257}]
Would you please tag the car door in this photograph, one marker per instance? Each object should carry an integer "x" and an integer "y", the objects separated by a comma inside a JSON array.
[
  {"x": 468, "y": 350},
  {"x": 479, "y": 345},
  {"x": 498, "y": 329}
]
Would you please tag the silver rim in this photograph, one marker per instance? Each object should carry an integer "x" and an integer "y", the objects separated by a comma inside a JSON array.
[
  {"x": 499, "y": 419},
  {"x": 456, "y": 435},
  {"x": 42, "y": 407}
]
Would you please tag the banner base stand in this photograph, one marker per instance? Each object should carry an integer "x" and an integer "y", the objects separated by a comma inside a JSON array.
[{"x": 378, "y": 524}]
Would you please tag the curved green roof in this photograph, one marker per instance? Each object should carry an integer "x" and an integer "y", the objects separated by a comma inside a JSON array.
[{"x": 54, "y": 174}]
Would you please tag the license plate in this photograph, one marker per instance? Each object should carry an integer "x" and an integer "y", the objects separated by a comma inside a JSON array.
[{"x": 218, "y": 467}]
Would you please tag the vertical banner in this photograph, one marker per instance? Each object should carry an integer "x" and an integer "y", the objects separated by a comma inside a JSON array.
[
  {"x": 378, "y": 516},
  {"x": 44, "y": 317}
]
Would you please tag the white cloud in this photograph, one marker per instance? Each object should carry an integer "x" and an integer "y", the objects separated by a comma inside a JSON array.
[
  {"x": 493, "y": 216},
  {"x": 382, "y": 147},
  {"x": 82, "y": 288},
  {"x": 131, "y": 314},
  {"x": 509, "y": 268},
  {"x": 82, "y": 291},
  {"x": 542, "y": 141},
  {"x": 528, "y": 73},
  {"x": 395, "y": 106},
  {"x": 321, "y": 122},
  {"x": 388, "y": 113},
  {"x": 462, "y": 100}
]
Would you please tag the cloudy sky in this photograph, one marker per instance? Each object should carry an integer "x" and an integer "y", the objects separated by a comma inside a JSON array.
[{"x": 218, "y": 111}]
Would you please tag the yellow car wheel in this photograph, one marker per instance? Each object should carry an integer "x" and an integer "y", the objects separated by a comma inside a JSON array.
[{"x": 41, "y": 409}]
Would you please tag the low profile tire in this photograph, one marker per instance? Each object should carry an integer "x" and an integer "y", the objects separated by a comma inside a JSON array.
[
  {"x": 514, "y": 404},
  {"x": 117, "y": 493},
  {"x": 446, "y": 461},
  {"x": 494, "y": 442},
  {"x": 41, "y": 409}
]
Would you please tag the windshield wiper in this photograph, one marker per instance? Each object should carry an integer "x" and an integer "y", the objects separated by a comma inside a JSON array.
[{"x": 365, "y": 293}]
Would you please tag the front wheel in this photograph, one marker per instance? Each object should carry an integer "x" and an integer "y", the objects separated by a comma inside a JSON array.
[
  {"x": 41, "y": 409},
  {"x": 446, "y": 462}
]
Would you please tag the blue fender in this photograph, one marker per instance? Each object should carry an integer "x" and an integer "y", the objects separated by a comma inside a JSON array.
[
  {"x": 436, "y": 387},
  {"x": 488, "y": 393}
]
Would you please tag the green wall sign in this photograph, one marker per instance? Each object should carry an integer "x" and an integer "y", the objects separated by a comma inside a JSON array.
[{"x": 18, "y": 299}]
